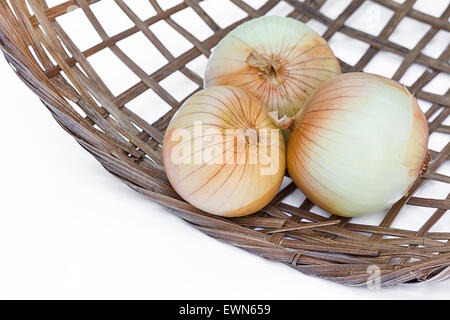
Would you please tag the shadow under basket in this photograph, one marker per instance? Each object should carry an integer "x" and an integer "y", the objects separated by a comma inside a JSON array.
[{"x": 103, "y": 118}]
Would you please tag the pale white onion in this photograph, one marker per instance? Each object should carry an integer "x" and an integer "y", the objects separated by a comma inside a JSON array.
[
  {"x": 358, "y": 144},
  {"x": 223, "y": 154},
  {"x": 279, "y": 60}
]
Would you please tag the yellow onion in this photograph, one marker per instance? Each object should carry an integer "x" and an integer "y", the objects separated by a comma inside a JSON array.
[
  {"x": 223, "y": 154},
  {"x": 358, "y": 144},
  {"x": 279, "y": 60}
]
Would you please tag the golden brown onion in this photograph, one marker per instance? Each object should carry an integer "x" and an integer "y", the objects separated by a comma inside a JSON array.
[
  {"x": 223, "y": 154},
  {"x": 358, "y": 144},
  {"x": 279, "y": 60}
]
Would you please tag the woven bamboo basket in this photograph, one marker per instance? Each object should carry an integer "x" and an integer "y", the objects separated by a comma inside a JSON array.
[{"x": 64, "y": 77}]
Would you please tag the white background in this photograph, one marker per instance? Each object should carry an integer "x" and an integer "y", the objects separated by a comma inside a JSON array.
[{"x": 68, "y": 229}]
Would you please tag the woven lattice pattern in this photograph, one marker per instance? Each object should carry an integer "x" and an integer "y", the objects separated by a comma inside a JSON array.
[{"x": 65, "y": 76}]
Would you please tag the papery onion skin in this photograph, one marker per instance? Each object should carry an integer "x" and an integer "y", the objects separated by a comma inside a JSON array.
[
  {"x": 301, "y": 58},
  {"x": 358, "y": 145},
  {"x": 225, "y": 189}
]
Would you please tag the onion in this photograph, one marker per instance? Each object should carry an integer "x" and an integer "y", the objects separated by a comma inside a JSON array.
[
  {"x": 279, "y": 60},
  {"x": 358, "y": 144},
  {"x": 223, "y": 154}
]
